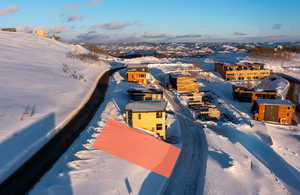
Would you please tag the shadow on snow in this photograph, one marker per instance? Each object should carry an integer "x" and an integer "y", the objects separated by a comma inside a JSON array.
[{"x": 266, "y": 155}]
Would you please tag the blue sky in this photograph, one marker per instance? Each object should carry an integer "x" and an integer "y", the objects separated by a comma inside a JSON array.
[{"x": 157, "y": 19}]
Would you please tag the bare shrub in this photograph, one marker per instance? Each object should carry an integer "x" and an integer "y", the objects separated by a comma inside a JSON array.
[
  {"x": 85, "y": 57},
  {"x": 28, "y": 112},
  {"x": 73, "y": 73}
]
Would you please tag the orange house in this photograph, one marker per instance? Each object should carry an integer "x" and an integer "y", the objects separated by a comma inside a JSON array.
[
  {"x": 138, "y": 74},
  {"x": 280, "y": 111}
]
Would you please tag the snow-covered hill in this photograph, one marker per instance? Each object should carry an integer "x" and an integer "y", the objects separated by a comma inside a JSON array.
[{"x": 40, "y": 87}]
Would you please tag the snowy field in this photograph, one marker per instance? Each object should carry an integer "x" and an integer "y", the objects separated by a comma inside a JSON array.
[
  {"x": 254, "y": 157},
  {"x": 258, "y": 159},
  {"x": 84, "y": 170},
  {"x": 242, "y": 156},
  {"x": 40, "y": 89}
]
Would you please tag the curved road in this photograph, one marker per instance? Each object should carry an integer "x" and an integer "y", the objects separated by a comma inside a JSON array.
[{"x": 24, "y": 178}]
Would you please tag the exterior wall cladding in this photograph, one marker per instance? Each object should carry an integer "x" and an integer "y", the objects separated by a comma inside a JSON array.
[
  {"x": 146, "y": 96},
  {"x": 138, "y": 77},
  {"x": 282, "y": 114},
  {"x": 152, "y": 121},
  {"x": 239, "y": 72}
]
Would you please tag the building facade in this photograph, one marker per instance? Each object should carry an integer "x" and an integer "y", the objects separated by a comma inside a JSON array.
[
  {"x": 138, "y": 74},
  {"x": 9, "y": 29},
  {"x": 184, "y": 83},
  {"x": 142, "y": 94},
  {"x": 41, "y": 33},
  {"x": 149, "y": 116},
  {"x": 279, "y": 111},
  {"x": 240, "y": 72},
  {"x": 244, "y": 94}
]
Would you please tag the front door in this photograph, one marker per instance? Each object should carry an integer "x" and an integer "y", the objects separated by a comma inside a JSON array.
[{"x": 271, "y": 113}]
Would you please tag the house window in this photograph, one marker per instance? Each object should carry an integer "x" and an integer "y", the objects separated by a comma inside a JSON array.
[
  {"x": 140, "y": 116},
  {"x": 158, "y": 126},
  {"x": 159, "y": 115}
]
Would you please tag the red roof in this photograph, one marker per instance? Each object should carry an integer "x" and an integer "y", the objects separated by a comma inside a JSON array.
[{"x": 137, "y": 147}]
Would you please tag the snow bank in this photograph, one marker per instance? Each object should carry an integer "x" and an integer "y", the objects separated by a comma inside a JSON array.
[
  {"x": 85, "y": 170},
  {"x": 40, "y": 87},
  {"x": 274, "y": 82}
]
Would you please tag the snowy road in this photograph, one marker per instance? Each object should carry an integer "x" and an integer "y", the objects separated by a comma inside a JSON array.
[{"x": 188, "y": 176}]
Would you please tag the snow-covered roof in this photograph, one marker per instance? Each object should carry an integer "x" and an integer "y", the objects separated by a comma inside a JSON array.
[
  {"x": 274, "y": 102},
  {"x": 242, "y": 64},
  {"x": 144, "y": 90},
  {"x": 147, "y": 106},
  {"x": 274, "y": 82},
  {"x": 176, "y": 75},
  {"x": 137, "y": 65}
]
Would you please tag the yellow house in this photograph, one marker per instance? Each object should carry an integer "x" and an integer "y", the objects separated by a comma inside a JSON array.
[
  {"x": 41, "y": 32},
  {"x": 148, "y": 115},
  {"x": 138, "y": 74},
  {"x": 238, "y": 72}
]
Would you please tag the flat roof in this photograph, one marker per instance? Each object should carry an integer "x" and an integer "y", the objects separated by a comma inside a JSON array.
[
  {"x": 137, "y": 66},
  {"x": 274, "y": 102},
  {"x": 147, "y": 106},
  {"x": 140, "y": 71},
  {"x": 241, "y": 64},
  {"x": 175, "y": 75},
  {"x": 144, "y": 90}
]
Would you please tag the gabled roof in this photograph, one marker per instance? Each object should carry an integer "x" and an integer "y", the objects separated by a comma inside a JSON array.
[{"x": 147, "y": 106}]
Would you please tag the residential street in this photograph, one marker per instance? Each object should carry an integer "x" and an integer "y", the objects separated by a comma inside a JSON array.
[{"x": 188, "y": 176}]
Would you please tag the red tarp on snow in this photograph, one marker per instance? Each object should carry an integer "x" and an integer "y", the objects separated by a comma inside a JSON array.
[{"x": 137, "y": 147}]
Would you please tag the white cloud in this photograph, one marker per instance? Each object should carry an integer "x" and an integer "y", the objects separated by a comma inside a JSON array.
[
  {"x": 9, "y": 9},
  {"x": 114, "y": 25},
  {"x": 92, "y": 37},
  {"x": 94, "y": 3},
  {"x": 171, "y": 36},
  {"x": 239, "y": 34},
  {"x": 74, "y": 18},
  {"x": 277, "y": 26},
  {"x": 54, "y": 29},
  {"x": 72, "y": 6},
  {"x": 58, "y": 29},
  {"x": 155, "y": 35}
]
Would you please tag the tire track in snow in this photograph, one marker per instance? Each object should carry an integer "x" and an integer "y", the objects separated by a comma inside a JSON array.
[
  {"x": 188, "y": 176},
  {"x": 264, "y": 153}
]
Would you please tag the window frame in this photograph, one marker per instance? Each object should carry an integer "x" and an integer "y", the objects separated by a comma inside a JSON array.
[
  {"x": 159, "y": 127},
  {"x": 159, "y": 114}
]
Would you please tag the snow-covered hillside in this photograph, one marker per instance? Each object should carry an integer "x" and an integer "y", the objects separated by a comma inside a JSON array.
[
  {"x": 40, "y": 87},
  {"x": 85, "y": 170}
]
